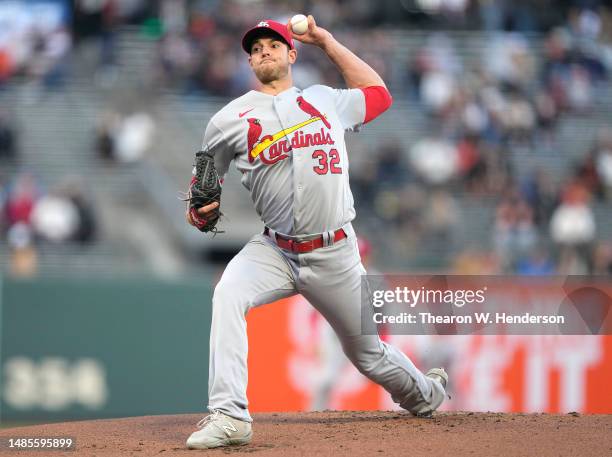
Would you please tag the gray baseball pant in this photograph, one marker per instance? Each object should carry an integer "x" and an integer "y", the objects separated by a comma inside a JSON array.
[{"x": 330, "y": 279}]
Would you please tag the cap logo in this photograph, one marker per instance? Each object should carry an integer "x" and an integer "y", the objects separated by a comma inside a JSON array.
[{"x": 263, "y": 24}]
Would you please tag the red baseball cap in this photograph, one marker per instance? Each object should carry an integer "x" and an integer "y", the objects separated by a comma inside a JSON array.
[{"x": 267, "y": 26}]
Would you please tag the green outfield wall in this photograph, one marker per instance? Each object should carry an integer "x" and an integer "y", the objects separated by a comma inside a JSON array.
[{"x": 76, "y": 349}]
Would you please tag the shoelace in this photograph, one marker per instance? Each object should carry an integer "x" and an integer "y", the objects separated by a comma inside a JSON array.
[{"x": 210, "y": 418}]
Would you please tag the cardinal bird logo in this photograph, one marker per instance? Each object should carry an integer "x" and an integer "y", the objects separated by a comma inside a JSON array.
[
  {"x": 311, "y": 110},
  {"x": 253, "y": 135}
]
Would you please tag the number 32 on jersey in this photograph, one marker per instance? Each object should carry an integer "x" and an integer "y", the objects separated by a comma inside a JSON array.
[{"x": 329, "y": 162}]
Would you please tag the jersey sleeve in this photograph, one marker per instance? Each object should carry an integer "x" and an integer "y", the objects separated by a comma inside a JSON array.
[
  {"x": 377, "y": 101},
  {"x": 350, "y": 107},
  {"x": 215, "y": 141}
]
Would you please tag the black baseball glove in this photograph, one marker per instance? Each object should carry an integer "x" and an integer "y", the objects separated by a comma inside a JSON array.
[{"x": 204, "y": 189}]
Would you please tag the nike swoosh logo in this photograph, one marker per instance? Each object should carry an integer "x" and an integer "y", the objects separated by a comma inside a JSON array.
[{"x": 247, "y": 111}]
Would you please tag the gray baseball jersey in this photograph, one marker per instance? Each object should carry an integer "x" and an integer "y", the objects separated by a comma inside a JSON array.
[{"x": 291, "y": 152}]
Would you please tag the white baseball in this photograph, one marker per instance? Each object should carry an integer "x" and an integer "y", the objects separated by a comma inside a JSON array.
[{"x": 299, "y": 24}]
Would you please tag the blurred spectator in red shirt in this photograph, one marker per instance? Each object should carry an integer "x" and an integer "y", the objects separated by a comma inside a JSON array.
[{"x": 21, "y": 200}]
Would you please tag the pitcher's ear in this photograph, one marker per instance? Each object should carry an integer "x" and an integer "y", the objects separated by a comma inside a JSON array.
[{"x": 292, "y": 55}]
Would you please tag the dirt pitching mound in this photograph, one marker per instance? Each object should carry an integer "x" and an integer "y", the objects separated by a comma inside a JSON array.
[{"x": 354, "y": 433}]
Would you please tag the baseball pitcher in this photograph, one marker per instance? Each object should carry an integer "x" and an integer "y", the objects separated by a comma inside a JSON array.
[{"x": 288, "y": 143}]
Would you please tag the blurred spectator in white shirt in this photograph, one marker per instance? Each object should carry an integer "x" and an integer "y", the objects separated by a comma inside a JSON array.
[
  {"x": 55, "y": 218},
  {"x": 134, "y": 137},
  {"x": 435, "y": 160},
  {"x": 573, "y": 229},
  {"x": 573, "y": 222}
]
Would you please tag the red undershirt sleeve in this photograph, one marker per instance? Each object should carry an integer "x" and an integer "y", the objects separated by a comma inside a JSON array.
[{"x": 377, "y": 101}]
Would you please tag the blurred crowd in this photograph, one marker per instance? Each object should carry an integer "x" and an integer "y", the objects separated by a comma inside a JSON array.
[
  {"x": 198, "y": 46},
  {"x": 475, "y": 113},
  {"x": 478, "y": 115},
  {"x": 35, "y": 42},
  {"x": 199, "y": 51},
  {"x": 31, "y": 216},
  {"x": 38, "y": 40},
  {"x": 533, "y": 224}
]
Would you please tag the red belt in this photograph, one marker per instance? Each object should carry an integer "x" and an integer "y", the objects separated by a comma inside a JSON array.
[{"x": 301, "y": 247}]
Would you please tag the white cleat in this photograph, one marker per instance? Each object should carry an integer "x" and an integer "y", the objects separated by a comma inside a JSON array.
[
  {"x": 439, "y": 375},
  {"x": 218, "y": 429}
]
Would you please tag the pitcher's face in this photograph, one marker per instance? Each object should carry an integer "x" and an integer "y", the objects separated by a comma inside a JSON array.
[{"x": 270, "y": 59}]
